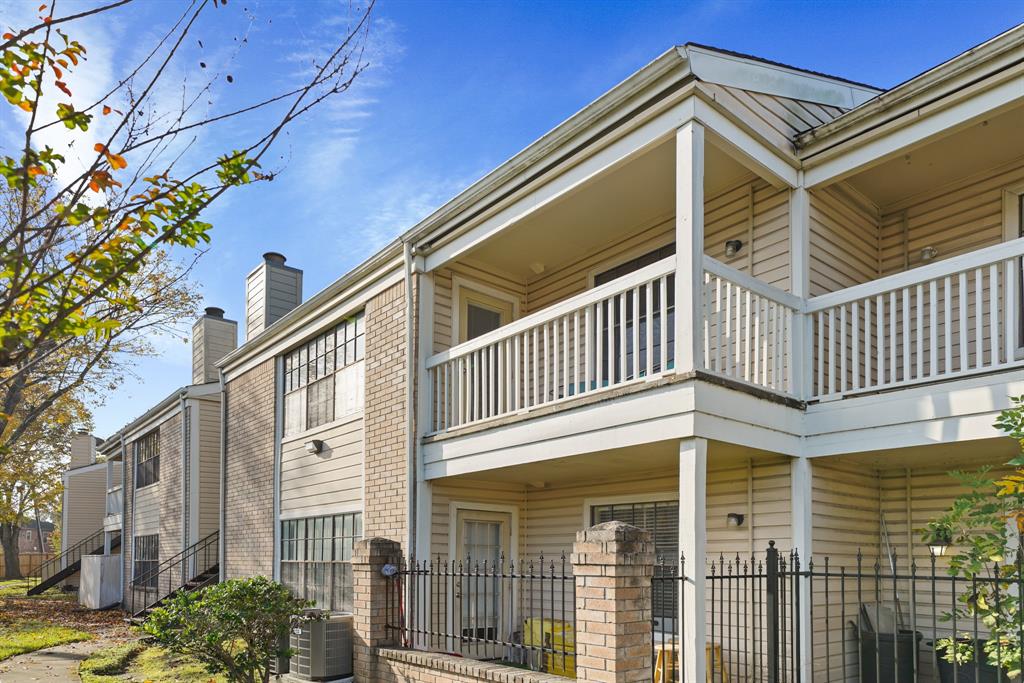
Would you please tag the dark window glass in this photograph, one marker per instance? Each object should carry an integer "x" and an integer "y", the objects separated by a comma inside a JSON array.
[
  {"x": 480, "y": 320},
  {"x": 316, "y": 558},
  {"x": 320, "y": 402},
  {"x": 146, "y": 557},
  {"x": 147, "y": 459}
]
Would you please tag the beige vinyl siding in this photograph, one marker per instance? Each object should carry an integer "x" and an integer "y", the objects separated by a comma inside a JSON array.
[
  {"x": 550, "y": 517},
  {"x": 84, "y": 503},
  {"x": 844, "y": 241},
  {"x": 255, "y": 302},
  {"x": 209, "y": 467},
  {"x": 284, "y": 291},
  {"x": 331, "y": 477},
  {"x": 444, "y": 316},
  {"x": 147, "y": 510}
]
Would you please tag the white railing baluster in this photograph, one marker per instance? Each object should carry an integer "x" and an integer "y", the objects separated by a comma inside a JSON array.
[
  {"x": 650, "y": 329},
  {"x": 1010, "y": 307},
  {"x": 993, "y": 314},
  {"x": 551, "y": 360},
  {"x": 867, "y": 344},
  {"x": 746, "y": 335},
  {"x": 855, "y": 344},
  {"x": 728, "y": 328},
  {"x": 821, "y": 353},
  {"x": 919, "y": 339},
  {"x": 933, "y": 329},
  {"x": 947, "y": 314},
  {"x": 831, "y": 351},
  {"x": 842, "y": 349},
  {"x": 893, "y": 339},
  {"x": 623, "y": 335},
  {"x": 979, "y": 337},
  {"x": 880, "y": 337},
  {"x": 962, "y": 293},
  {"x": 760, "y": 351},
  {"x": 610, "y": 341}
]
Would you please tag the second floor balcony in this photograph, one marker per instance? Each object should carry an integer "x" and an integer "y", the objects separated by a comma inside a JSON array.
[{"x": 896, "y": 278}]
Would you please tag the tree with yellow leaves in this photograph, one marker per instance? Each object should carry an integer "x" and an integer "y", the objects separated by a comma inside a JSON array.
[{"x": 31, "y": 482}]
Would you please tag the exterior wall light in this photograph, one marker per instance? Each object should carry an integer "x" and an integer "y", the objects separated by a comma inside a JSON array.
[
  {"x": 732, "y": 247},
  {"x": 928, "y": 254},
  {"x": 314, "y": 447},
  {"x": 734, "y": 519},
  {"x": 938, "y": 538}
]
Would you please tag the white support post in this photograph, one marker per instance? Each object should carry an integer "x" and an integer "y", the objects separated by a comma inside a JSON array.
[
  {"x": 800, "y": 494},
  {"x": 693, "y": 462},
  {"x": 799, "y": 265},
  {"x": 420, "y": 511},
  {"x": 689, "y": 304}
]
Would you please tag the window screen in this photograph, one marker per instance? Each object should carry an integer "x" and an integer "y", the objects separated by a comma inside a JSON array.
[{"x": 146, "y": 557}]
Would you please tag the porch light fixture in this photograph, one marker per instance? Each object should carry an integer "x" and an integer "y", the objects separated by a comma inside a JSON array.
[
  {"x": 938, "y": 538},
  {"x": 928, "y": 253},
  {"x": 314, "y": 447},
  {"x": 732, "y": 247},
  {"x": 734, "y": 519}
]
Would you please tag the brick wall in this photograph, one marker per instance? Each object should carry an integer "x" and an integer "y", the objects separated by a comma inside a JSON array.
[
  {"x": 386, "y": 439},
  {"x": 248, "y": 533},
  {"x": 170, "y": 487}
]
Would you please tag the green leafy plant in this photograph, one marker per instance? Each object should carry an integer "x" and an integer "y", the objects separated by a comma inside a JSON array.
[
  {"x": 986, "y": 526},
  {"x": 235, "y": 627}
]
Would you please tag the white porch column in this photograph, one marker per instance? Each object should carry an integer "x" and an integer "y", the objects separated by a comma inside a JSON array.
[
  {"x": 693, "y": 464},
  {"x": 689, "y": 340},
  {"x": 801, "y": 489},
  {"x": 800, "y": 282}
]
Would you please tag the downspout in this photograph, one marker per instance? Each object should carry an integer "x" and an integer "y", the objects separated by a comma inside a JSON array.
[
  {"x": 186, "y": 465},
  {"x": 124, "y": 509},
  {"x": 275, "y": 568},
  {"x": 410, "y": 407},
  {"x": 223, "y": 471}
]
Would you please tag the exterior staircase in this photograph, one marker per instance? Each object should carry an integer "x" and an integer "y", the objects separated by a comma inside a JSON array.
[
  {"x": 68, "y": 563},
  {"x": 190, "y": 570}
]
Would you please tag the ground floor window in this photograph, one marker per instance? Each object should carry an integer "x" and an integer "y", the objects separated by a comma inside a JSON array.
[
  {"x": 661, "y": 519},
  {"x": 316, "y": 558},
  {"x": 146, "y": 555}
]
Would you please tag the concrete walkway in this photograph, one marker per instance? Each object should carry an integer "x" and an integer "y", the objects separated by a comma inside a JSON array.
[{"x": 58, "y": 664}]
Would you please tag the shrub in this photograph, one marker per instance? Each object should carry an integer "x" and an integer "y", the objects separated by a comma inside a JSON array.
[{"x": 235, "y": 627}]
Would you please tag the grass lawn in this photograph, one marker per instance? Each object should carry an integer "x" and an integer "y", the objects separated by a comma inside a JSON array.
[
  {"x": 15, "y": 588},
  {"x": 137, "y": 661},
  {"x": 28, "y": 636},
  {"x": 52, "y": 618}
]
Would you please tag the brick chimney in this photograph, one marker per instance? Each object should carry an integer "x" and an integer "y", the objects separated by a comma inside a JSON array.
[
  {"x": 271, "y": 290},
  {"x": 213, "y": 337}
]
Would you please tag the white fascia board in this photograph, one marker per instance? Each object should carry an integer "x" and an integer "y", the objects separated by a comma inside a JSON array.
[
  {"x": 949, "y": 77},
  {"x": 141, "y": 427},
  {"x": 773, "y": 79},
  {"x": 85, "y": 468},
  {"x": 777, "y": 169},
  {"x": 615, "y": 152},
  {"x": 923, "y": 128}
]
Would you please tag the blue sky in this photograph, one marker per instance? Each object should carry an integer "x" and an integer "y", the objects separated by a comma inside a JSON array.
[{"x": 458, "y": 87}]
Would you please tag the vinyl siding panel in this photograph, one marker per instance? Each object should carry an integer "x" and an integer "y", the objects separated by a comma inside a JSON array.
[
  {"x": 147, "y": 510},
  {"x": 330, "y": 477},
  {"x": 844, "y": 241},
  {"x": 444, "y": 315},
  {"x": 84, "y": 504},
  {"x": 209, "y": 467}
]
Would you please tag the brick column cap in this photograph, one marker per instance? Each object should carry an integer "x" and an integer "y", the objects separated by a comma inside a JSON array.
[
  {"x": 367, "y": 550},
  {"x": 612, "y": 543}
]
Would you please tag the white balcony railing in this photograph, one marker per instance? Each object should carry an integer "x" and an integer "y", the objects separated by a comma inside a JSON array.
[
  {"x": 957, "y": 317},
  {"x": 609, "y": 336},
  {"x": 115, "y": 501}
]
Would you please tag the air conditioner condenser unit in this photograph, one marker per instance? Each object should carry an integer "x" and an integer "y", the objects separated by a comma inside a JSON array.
[{"x": 323, "y": 649}]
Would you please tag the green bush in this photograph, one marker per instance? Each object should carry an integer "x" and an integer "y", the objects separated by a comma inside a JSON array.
[{"x": 234, "y": 628}]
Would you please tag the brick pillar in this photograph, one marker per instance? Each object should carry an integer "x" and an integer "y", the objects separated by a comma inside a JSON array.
[
  {"x": 613, "y": 564},
  {"x": 369, "y": 604}
]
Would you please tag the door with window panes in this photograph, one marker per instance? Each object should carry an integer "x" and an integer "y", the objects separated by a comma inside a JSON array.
[{"x": 481, "y": 604}]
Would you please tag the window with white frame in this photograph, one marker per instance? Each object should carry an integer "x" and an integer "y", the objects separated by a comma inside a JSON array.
[
  {"x": 147, "y": 459},
  {"x": 146, "y": 557},
  {"x": 316, "y": 558},
  {"x": 324, "y": 378}
]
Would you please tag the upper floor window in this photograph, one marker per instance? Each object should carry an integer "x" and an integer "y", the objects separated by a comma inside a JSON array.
[
  {"x": 323, "y": 378},
  {"x": 147, "y": 459}
]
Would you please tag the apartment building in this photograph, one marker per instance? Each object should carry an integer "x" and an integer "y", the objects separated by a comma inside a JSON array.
[
  {"x": 742, "y": 306},
  {"x": 164, "y": 499}
]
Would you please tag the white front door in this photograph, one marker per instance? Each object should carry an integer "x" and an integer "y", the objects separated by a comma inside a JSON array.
[{"x": 482, "y": 541}]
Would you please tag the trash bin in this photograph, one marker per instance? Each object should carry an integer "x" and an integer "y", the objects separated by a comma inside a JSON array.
[
  {"x": 885, "y": 658},
  {"x": 967, "y": 672}
]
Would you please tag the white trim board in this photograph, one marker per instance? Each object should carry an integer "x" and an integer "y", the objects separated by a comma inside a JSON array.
[{"x": 456, "y": 505}]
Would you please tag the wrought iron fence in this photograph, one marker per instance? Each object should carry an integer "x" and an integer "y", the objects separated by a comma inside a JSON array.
[
  {"x": 521, "y": 613},
  {"x": 891, "y": 620}
]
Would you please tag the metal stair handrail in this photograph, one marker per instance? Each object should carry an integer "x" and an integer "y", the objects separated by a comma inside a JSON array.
[
  {"x": 175, "y": 572},
  {"x": 44, "y": 570}
]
